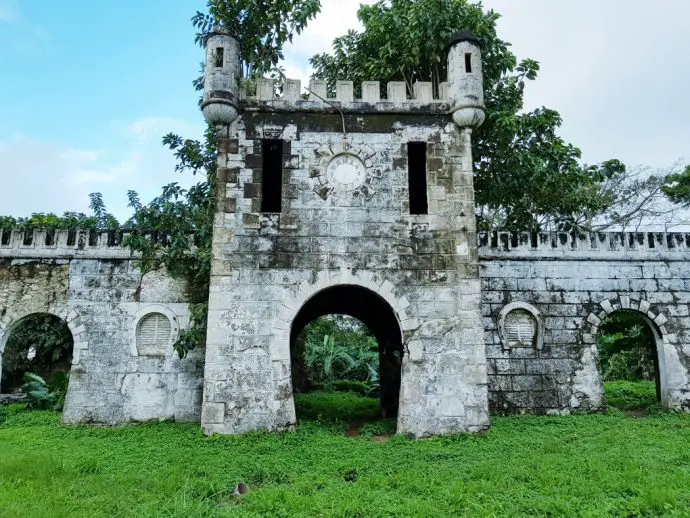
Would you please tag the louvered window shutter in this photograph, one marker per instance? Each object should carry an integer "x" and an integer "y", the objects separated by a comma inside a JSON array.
[
  {"x": 153, "y": 334},
  {"x": 520, "y": 328}
]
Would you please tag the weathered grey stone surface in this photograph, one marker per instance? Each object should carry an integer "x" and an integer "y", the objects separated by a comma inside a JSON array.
[
  {"x": 465, "y": 322},
  {"x": 330, "y": 235},
  {"x": 575, "y": 282},
  {"x": 100, "y": 294}
]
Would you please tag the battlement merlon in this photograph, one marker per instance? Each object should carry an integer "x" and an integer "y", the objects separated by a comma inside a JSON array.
[
  {"x": 421, "y": 99},
  {"x": 67, "y": 244},
  {"x": 226, "y": 94},
  {"x": 608, "y": 246}
]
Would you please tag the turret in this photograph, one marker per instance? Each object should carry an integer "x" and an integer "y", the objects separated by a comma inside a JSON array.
[
  {"x": 221, "y": 78},
  {"x": 465, "y": 80}
]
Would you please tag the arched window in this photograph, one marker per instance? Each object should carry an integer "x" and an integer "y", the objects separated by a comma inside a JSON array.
[
  {"x": 520, "y": 328},
  {"x": 520, "y": 325},
  {"x": 153, "y": 334}
]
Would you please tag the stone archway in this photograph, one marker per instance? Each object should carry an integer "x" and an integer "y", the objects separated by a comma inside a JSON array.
[
  {"x": 656, "y": 321},
  {"x": 377, "y": 315},
  {"x": 71, "y": 318},
  {"x": 366, "y": 282}
]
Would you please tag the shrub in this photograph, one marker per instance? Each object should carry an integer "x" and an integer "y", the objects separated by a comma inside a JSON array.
[
  {"x": 42, "y": 396},
  {"x": 626, "y": 347},
  {"x": 363, "y": 388}
]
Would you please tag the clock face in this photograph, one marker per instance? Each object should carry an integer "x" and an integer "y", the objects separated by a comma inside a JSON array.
[{"x": 346, "y": 172}]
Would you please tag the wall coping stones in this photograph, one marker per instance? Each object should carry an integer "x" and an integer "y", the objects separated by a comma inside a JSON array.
[
  {"x": 673, "y": 246},
  {"x": 420, "y": 99}
]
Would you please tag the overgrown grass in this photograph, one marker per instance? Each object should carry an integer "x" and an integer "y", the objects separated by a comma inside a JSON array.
[
  {"x": 587, "y": 465},
  {"x": 631, "y": 395}
]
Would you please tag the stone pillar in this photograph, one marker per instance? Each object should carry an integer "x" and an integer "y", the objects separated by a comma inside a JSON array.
[{"x": 446, "y": 368}]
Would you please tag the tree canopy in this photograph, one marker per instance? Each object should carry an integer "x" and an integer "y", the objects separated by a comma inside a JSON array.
[{"x": 527, "y": 176}]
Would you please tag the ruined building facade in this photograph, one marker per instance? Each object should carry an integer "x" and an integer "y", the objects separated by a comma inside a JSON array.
[{"x": 347, "y": 202}]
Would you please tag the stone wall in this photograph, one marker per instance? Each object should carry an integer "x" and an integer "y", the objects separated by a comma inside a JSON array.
[
  {"x": 267, "y": 267},
  {"x": 572, "y": 283},
  {"x": 94, "y": 285}
]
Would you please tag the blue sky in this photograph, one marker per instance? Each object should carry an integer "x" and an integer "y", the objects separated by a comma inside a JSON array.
[
  {"x": 90, "y": 91},
  {"x": 76, "y": 71},
  {"x": 87, "y": 89}
]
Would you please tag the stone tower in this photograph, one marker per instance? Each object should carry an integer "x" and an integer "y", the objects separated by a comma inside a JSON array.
[{"x": 336, "y": 204}]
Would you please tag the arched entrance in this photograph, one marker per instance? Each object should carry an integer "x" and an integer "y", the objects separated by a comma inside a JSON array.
[
  {"x": 630, "y": 347},
  {"x": 376, "y": 314},
  {"x": 40, "y": 343}
]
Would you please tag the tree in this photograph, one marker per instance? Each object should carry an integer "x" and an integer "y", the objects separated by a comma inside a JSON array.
[
  {"x": 677, "y": 187},
  {"x": 527, "y": 177},
  {"x": 262, "y": 27},
  {"x": 635, "y": 199},
  {"x": 100, "y": 219}
]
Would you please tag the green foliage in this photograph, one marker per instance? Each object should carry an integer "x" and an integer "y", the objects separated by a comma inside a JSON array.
[
  {"x": 327, "y": 361},
  {"x": 100, "y": 219},
  {"x": 339, "y": 347},
  {"x": 628, "y": 395},
  {"x": 48, "y": 337},
  {"x": 43, "y": 396},
  {"x": 573, "y": 466},
  {"x": 363, "y": 388},
  {"x": 261, "y": 27},
  {"x": 182, "y": 219},
  {"x": 678, "y": 187},
  {"x": 527, "y": 177},
  {"x": 627, "y": 347}
]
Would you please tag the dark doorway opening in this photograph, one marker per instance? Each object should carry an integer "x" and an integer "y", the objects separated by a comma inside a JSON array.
[
  {"x": 374, "y": 318},
  {"x": 41, "y": 344},
  {"x": 627, "y": 342}
]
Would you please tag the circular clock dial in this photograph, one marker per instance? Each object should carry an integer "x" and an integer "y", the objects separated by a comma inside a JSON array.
[{"x": 346, "y": 172}]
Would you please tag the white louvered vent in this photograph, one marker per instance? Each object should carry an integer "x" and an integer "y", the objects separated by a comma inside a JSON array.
[
  {"x": 153, "y": 334},
  {"x": 520, "y": 328}
]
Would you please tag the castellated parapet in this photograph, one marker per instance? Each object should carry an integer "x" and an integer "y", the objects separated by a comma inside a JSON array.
[
  {"x": 363, "y": 207},
  {"x": 343, "y": 205}
]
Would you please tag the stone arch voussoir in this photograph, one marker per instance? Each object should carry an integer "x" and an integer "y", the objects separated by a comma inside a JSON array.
[
  {"x": 640, "y": 305},
  {"x": 291, "y": 305},
  {"x": 62, "y": 311}
]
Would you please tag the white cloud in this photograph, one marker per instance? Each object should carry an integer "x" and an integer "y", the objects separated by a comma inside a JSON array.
[
  {"x": 617, "y": 76},
  {"x": 335, "y": 19},
  {"x": 41, "y": 176}
]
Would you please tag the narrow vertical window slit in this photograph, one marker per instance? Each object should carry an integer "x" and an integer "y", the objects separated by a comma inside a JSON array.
[
  {"x": 417, "y": 178},
  {"x": 468, "y": 63},
  {"x": 218, "y": 57},
  {"x": 272, "y": 175}
]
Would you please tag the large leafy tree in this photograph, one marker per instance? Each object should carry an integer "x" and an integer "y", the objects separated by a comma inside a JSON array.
[
  {"x": 527, "y": 177},
  {"x": 262, "y": 27}
]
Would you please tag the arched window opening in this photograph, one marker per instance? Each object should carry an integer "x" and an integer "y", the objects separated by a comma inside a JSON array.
[
  {"x": 629, "y": 362},
  {"x": 153, "y": 334},
  {"x": 40, "y": 344},
  {"x": 346, "y": 352}
]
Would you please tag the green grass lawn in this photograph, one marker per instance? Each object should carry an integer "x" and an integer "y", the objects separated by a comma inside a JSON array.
[{"x": 587, "y": 465}]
